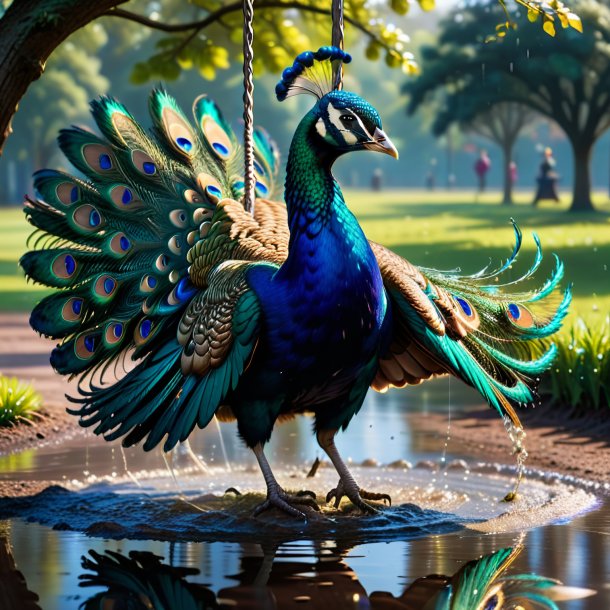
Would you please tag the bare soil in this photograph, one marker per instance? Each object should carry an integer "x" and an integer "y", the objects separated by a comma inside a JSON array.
[{"x": 580, "y": 448}]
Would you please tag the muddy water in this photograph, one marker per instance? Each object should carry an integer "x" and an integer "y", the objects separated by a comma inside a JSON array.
[{"x": 366, "y": 570}]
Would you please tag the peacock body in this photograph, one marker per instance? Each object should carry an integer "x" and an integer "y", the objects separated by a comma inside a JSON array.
[{"x": 254, "y": 317}]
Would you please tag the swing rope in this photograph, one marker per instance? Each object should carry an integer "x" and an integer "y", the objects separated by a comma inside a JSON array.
[
  {"x": 248, "y": 39},
  {"x": 337, "y": 39},
  {"x": 249, "y": 179}
]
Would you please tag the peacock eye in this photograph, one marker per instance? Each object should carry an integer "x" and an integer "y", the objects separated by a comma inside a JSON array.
[{"x": 347, "y": 117}]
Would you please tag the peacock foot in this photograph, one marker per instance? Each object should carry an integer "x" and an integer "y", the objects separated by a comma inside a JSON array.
[
  {"x": 278, "y": 498},
  {"x": 356, "y": 495}
]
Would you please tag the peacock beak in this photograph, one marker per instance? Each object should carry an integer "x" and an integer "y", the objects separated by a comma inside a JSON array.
[{"x": 381, "y": 143}]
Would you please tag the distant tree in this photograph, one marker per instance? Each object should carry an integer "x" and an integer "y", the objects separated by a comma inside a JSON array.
[
  {"x": 502, "y": 124},
  {"x": 61, "y": 97},
  {"x": 565, "y": 78}
]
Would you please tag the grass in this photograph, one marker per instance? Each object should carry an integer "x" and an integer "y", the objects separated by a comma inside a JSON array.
[
  {"x": 579, "y": 380},
  {"x": 433, "y": 229},
  {"x": 18, "y": 401}
]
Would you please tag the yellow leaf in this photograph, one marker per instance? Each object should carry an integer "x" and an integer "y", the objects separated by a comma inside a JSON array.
[
  {"x": 186, "y": 63},
  {"x": 549, "y": 28},
  {"x": 532, "y": 15},
  {"x": 575, "y": 22},
  {"x": 427, "y": 5},
  {"x": 207, "y": 72}
]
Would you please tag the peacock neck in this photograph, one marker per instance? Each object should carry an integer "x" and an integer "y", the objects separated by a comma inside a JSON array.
[{"x": 312, "y": 195}]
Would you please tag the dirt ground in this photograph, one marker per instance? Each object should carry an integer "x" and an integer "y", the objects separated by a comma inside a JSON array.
[{"x": 577, "y": 448}]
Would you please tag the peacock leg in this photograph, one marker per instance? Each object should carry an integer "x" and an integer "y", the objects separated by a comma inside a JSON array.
[
  {"x": 347, "y": 486},
  {"x": 276, "y": 496}
]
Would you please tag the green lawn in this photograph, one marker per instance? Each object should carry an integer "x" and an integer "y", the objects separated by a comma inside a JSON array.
[{"x": 439, "y": 229}]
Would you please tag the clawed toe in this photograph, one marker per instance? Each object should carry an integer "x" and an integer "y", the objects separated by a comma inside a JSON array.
[
  {"x": 285, "y": 502},
  {"x": 371, "y": 495},
  {"x": 356, "y": 496}
]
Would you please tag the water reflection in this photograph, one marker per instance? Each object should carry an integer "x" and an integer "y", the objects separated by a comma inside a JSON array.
[{"x": 143, "y": 580}]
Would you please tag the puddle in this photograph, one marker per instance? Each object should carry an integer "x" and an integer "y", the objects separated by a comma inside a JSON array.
[
  {"x": 184, "y": 537},
  {"x": 193, "y": 507}
]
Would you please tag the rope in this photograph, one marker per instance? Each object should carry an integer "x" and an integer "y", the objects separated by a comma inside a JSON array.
[
  {"x": 337, "y": 40},
  {"x": 249, "y": 179}
]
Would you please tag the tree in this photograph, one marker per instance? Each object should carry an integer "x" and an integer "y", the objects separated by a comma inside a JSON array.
[
  {"x": 30, "y": 30},
  {"x": 502, "y": 124},
  {"x": 565, "y": 78}
]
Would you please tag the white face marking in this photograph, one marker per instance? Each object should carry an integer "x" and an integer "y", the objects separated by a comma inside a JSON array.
[
  {"x": 321, "y": 128},
  {"x": 333, "y": 115}
]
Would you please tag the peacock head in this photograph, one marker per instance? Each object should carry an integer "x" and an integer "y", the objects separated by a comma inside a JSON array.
[{"x": 343, "y": 121}]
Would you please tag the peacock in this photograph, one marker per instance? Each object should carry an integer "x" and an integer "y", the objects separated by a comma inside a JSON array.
[{"x": 256, "y": 317}]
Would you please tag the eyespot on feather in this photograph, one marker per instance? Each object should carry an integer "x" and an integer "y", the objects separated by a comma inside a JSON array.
[
  {"x": 148, "y": 283},
  {"x": 192, "y": 196},
  {"x": 99, "y": 157},
  {"x": 105, "y": 286},
  {"x": 88, "y": 218},
  {"x": 123, "y": 198},
  {"x": 262, "y": 190},
  {"x": 85, "y": 345},
  {"x": 67, "y": 193},
  {"x": 174, "y": 244},
  {"x": 120, "y": 244},
  {"x": 178, "y": 218},
  {"x": 114, "y": 333},
  {"x": 178, "y": 132},
  {"x": 143, "y": 332},
  {"x": 520, "y": 315},
  {"x": 72, "y": 309},
  {"x": 64, "y": 266},
  {"x": 182, "y": 292},
  {"x": 143, "y": 163},
  {"x": 162, "y": 262},
  {"x": 210, "y": 186},
  {"x": 259, "y": 169},
  {"x": 218, "y": 140},
  {"x": 467, "y": 312}
]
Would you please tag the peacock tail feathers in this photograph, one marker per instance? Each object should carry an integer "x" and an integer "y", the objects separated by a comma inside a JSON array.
[
  {"x": 482, "y": 328},
  {"x": 115, "y": 240}
]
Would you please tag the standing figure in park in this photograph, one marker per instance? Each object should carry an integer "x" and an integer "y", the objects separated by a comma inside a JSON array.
[
  {"x": 547, "y": 178},
  {"x": 481, "y": 167}
]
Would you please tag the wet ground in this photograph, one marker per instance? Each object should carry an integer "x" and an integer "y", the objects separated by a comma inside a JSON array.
[{"x": 448, "y": 512}]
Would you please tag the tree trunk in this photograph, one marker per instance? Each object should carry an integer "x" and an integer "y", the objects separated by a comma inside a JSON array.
[
  {"x": 30, "y": 31},
  {"x": 581, "y": 194},
  {"x": 507, "y": 157}
]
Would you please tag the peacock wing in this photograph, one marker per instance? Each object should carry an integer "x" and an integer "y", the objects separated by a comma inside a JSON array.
[
  {"x": 186, "y": 379},
  {"x": 235, "y": 234},
  {"x": 473, "y": 326}
]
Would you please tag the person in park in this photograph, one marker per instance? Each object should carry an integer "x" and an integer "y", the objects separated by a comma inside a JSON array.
[
  {"x": 513, "y": 173},
  {"x": 547, "y": 178},
  {"x": 481, "y": 167}
]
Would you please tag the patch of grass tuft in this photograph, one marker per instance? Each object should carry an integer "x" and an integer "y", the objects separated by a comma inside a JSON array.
[
  {"x": 579, "y": 380},
  {"x": 18, "y": 401}
]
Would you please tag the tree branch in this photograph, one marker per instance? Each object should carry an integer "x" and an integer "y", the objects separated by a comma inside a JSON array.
[{"x": 233, "y": 7}]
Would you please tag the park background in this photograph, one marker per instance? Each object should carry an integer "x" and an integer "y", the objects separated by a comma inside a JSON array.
[{"x": 443, "y": 228}]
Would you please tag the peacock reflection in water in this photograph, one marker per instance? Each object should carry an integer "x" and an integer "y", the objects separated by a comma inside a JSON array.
[{"x": 143, "y": 580}]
